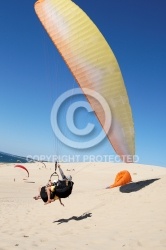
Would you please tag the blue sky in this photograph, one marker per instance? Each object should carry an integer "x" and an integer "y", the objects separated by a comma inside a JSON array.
[{"x": 33, "y": 75}]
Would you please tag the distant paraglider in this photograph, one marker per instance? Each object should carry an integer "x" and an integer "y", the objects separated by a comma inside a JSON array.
[{"x": 22, "y": 167}]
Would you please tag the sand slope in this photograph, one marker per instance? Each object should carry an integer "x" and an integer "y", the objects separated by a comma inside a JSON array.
[{"x": 128, "y": 217}]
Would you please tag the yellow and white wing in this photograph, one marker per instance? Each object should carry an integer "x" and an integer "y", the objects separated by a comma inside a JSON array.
[{"x": 93, "y": 64}]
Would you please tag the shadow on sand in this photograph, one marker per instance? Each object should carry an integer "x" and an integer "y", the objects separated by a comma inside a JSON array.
[
  {"x": 29, "y": 181},
  {"x": 136, "y": 186},
  {"x": 77, "y": 218}
]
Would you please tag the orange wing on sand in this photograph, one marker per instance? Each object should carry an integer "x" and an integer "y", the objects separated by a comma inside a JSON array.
[{"x": 121, "y": 179}]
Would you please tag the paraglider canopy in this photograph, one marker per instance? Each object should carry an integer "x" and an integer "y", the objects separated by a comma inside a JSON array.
[
  {"x": 93, "y": 65},
  {"x": 22, "y": 167},
  {"x": 122, "y": 178}
]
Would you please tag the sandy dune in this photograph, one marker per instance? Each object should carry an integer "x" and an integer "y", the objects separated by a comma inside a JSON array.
[{"x": 130, "y": 217}]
